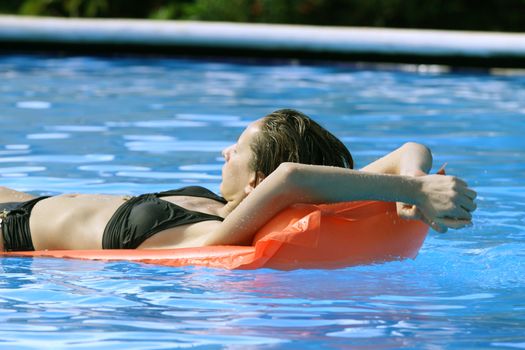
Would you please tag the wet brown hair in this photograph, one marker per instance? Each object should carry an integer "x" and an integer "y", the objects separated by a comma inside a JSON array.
[{"x": 287, "y": 135}]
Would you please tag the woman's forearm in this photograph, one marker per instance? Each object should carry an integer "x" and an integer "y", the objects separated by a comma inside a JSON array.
[{"x": 330, "y": 184}]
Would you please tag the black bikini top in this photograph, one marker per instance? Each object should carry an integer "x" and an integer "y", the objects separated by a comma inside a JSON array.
[{"x": 143, "y": 216}]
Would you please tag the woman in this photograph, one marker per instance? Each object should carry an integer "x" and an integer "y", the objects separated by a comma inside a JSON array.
[{"x": 281, "y": 159}]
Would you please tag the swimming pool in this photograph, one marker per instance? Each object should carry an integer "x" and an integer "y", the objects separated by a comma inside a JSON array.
[{"x": 80, "y": 124}]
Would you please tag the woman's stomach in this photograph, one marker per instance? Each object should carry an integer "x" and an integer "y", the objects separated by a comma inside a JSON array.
[{"x": 72, "y": 221}]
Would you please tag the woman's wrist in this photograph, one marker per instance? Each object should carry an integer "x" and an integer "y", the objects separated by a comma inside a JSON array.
[
  {"x": 398, "y": 188},
  {"x": 411, "y": 188},
  {"x": 416, "y": 184}
]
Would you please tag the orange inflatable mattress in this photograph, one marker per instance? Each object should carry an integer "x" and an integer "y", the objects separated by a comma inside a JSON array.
[{"x": 302, "y": 236}]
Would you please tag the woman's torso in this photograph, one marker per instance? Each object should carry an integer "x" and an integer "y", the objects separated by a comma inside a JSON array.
[{"x": 78, "y": 221}]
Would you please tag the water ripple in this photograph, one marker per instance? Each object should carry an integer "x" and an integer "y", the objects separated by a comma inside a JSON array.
[
  {"x": 177, "y": 146},
  {"x": 33, "y": 104},
  {"x": 70, "y": 159}
]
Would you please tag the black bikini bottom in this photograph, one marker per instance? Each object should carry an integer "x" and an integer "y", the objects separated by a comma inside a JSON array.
[{"x": 14, "y": 223}]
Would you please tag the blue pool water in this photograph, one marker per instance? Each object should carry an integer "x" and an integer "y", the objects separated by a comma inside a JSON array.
[{"x": 95, "y": 125}]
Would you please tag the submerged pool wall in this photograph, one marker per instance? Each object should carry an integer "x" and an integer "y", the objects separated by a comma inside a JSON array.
[{"x": 109, "y": 36}]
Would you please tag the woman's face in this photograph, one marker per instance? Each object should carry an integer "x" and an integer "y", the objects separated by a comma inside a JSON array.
[{"x": 237, "y": 177}]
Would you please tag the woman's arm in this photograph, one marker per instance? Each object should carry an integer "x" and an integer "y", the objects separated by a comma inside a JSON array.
[
  {"x": 410, "y": 159},
  {"x": 438, "y": 197}
]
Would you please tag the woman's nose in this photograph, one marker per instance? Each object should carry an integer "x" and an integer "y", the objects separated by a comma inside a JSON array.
[{"x": 226, "y": 152}]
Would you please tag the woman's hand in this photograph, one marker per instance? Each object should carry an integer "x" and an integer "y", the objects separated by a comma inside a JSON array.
[
  {"x": 446, "y": 198},
  {"x": 444, "y": 202},
  {"x": 449, "y": 202},
  {"x": 411, "y": 212}
]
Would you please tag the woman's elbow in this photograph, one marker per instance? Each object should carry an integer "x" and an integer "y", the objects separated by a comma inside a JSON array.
[
  {"x": 288, "y": 176},
  {"x": 421, "y": 152},
  {"x": 287, "y": 169},
  {"x": 417, "y": 146}
]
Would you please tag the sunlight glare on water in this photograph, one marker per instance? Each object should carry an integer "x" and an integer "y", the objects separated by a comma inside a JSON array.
[{"x": 129, "y": 126}]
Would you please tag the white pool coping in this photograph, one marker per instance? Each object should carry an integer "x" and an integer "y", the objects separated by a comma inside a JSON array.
[{"x": 263, "y": 37}]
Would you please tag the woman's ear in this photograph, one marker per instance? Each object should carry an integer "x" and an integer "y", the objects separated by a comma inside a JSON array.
[
  {"x": 248, "y": 189},
  {"x": 260, "y": 177},
  {"x": 254, "y": 182}
]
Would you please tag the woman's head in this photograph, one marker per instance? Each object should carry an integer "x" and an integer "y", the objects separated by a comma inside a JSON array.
[{"x": 285, "y": 135}]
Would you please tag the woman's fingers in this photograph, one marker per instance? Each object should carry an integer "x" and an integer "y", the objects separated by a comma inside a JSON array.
[
  {"x": 459, "y": 181},
  {"x": 460, "y": 206},
  {"x": 463, "y": 189},
  {"x": 470, "y": 193},
  {"x": 463, "y": 214},
  {"x": 438, "y": 228},
  {"x": 458, "y": 216},
  {"x": 462, "y": 200},
  {"x": 457, "y": 212},
  {"x": 461, "y": 186},
  {"x": 435, "y": 226},
  {"x": 407, "y": 211},
  {"x": 411, "y": 212},
  {"x": 442, "y": 224},
  {"x": 453, "y": 223},
  {"x": 467, "y": 204}
]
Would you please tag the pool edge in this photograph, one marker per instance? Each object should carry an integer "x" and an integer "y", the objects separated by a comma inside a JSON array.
[{"x": 113, "y": 36}]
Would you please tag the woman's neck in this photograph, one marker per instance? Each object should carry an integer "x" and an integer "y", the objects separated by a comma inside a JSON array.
[{"x": 232, "y": 203}]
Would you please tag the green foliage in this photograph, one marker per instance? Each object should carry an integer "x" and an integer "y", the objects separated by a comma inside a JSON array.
[
  {"x": 70, "y": 8},
  {"x": 171, "y": 9},
  {"x": 506, "y": 15},
  {"x": 10, "y": 6},
  {"x": 221, "y": 10}
]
